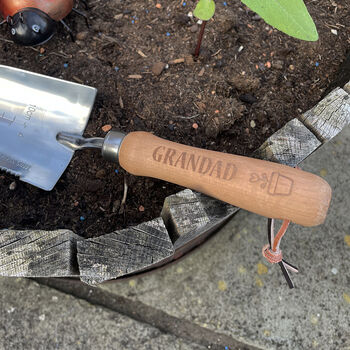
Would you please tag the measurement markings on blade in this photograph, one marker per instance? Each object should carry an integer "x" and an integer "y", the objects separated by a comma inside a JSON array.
[
  {"x": 21, "y": 120},
  {"x": 7, "y": 118}
]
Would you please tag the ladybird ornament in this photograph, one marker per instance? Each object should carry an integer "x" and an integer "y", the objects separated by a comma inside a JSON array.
[{"x": 34, "y": 22}]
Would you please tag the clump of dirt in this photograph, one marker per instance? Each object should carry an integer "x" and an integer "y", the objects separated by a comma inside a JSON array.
[{"x": 249, "y": 81}]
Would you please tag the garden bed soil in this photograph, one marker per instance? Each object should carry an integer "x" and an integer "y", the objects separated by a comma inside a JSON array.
[{"x": 249, "y": 81}]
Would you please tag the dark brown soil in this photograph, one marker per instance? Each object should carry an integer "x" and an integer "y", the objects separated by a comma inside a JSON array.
[{"x": 249, "y": 81}]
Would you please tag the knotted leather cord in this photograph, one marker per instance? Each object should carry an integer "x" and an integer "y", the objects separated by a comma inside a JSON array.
[{"x": 273, "y": 253}]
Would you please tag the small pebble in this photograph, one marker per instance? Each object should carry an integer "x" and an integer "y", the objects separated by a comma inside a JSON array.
[
  {"x": 106, "y": 127},
  {"x": 194, "y": 28},
  {"x": 291, "y": 67},
  {"x": 100, "y": 174},
  {"x": 334, "y": 271},
  {"x": 252, "y": 124},
  {"x": 135, "y": 76},
  {"x": 82, "y": 35},
  {"x": 334, "y": 31},
  {"x": 278, "y": 64},
  {"x": 158, "y": 68},
  {"x": 13, "y": 186}
]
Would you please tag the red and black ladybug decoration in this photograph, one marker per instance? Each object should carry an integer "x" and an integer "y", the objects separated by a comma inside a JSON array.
[{"x": 33, "y": 22}]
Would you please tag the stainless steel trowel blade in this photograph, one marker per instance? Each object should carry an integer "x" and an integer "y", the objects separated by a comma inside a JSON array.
[{"x": 33, "y": 109}]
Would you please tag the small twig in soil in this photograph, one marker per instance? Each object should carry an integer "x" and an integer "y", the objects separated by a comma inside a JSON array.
[
  {"x": 8, "y": 41},
  {"x": 183, "y": 117},
  {"x": 110, "y": 39},
  {"x": 125, "y": 192},
  {"x": 123, "y": 205},
  {"x": 154, "y": 20},
  {"x": 200, "y": 38},
  {"x": 60, "y": 54},
  {"x": 216, "y": 53},
  {"x": 75, "y": 78}
]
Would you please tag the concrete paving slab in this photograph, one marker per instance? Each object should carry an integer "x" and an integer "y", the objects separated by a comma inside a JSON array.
[
  {"x": 33, "y": 316},
  {"x": 226, "y": 286}
]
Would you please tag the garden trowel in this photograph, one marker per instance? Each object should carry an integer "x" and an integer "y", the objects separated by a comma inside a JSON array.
[{"x": 42, "y": 120}]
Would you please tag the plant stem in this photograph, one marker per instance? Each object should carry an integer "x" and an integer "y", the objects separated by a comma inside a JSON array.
[{"x": 199, "y": 42}]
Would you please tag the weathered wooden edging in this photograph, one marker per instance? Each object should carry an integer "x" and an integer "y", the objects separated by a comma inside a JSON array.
[{"x": 186, "y": 220}]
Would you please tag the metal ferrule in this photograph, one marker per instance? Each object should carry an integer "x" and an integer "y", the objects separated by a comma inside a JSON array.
[{"x": 111, "y": 145}]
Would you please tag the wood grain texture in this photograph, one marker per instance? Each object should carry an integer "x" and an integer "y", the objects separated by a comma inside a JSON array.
[
  {"x": 191, "y": 217},
  {"x": 124, "y": 252},
  {"x": 347, "y": 87},
  {"x": 329, "y": 116},
  {"x": 265, "y": 188},
  {"x": 38, "y": 253},
  {"x": 290, "y": 145},
  {"x": 183, "y": 213}
]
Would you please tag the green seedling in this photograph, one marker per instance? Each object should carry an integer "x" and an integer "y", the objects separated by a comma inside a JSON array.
[{"x": 289, "y": 16}]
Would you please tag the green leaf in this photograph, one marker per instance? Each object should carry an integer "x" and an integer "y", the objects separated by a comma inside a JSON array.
[
  {"x": 205, "y": 9},
  {"x": 288, "y": 16}
]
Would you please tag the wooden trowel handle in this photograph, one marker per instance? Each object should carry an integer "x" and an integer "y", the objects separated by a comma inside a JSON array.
[{"x": 266, "y": 188}]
